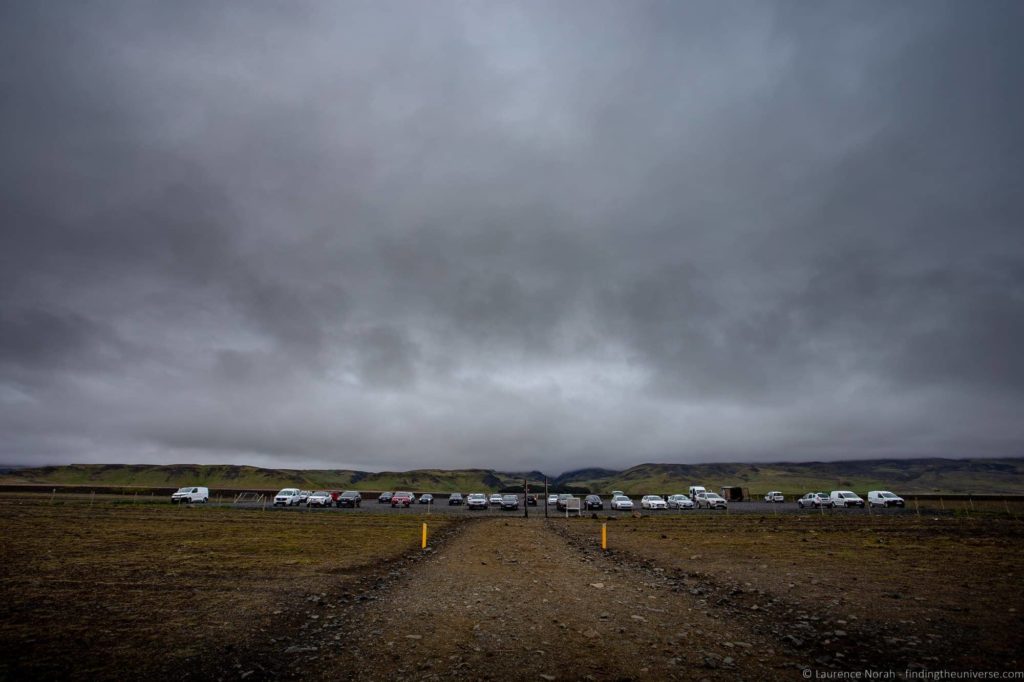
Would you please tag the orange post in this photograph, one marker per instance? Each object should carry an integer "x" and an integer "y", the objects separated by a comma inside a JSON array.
[{"x": 604, "y": 536}]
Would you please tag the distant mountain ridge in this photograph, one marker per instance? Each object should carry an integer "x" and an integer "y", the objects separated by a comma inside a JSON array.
[{"x": 933, "y": 475}]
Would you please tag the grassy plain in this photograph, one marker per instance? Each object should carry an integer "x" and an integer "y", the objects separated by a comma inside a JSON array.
[
  {"x": 945, "y": 589},
  {"x": 104, "y": 587}
]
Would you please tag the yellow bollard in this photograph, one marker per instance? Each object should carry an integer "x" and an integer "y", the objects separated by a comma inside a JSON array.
[
  {"x": 604, "y": 536},
  {"x": 424, "y": 545}
]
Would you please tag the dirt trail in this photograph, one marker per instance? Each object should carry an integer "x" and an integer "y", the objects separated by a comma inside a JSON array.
[{"x": 509, "y": 598}]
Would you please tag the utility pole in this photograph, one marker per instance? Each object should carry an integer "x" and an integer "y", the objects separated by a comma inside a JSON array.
[
  {"x": 526, "y": 498},
  {"x": 545, "y": 497}
]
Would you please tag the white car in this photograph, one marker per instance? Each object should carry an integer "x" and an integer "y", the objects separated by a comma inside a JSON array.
[
  {"x": 553, "y": 499},
  {"x": 845, "y": 498},
  {"x": 814, "y": 501},
  {"x": 884, "y": 498},
  {"x": 679, "y": 501},
  {"x": 711, "y": 501},
  {"x": 191, "y": 494},
  {"x": 774, "y": 496},
  {"x": 495, "y": 498},
  {"x": 287, "y": 497},
  {"x": 476, "y": 501},
  {"x": 321, "y": 498},
  {"x": 653, "y": 502},
  {"x": 621, "y": 502}
]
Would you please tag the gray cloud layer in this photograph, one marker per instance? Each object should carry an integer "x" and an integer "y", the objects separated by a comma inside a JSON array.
[{"x": 399, "y": 234}]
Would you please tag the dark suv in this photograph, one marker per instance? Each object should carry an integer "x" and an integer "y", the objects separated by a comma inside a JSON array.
[
  {"x": 385, "y": 498},
  {"x": 350, "y": 498},
  {"x": 593, "y": 502},
  {"x": 454, "y": 499}
]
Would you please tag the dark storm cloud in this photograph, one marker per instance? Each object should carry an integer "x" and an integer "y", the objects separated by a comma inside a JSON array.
[{"x": 524, "y": 236}]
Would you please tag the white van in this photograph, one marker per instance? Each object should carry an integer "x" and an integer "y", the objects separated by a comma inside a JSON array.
[
  {"x": 191, "y": 494},
  {"x": 696, "y": 490},
  {"x": 884, "y": 498},
  {"x": 288, "y": 497},
  {"x": 845, "y": 498}
]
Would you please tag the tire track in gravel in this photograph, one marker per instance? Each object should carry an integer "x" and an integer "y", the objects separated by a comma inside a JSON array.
[{"x": 512, "y": 599}]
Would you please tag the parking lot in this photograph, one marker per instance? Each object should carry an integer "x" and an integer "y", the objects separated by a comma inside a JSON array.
[{"x": 441, "y": 506}]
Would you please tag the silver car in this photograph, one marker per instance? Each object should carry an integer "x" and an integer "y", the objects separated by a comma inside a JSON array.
[
  {"x": 621, "y": 502},
  {"x": 679, "y": 501}
]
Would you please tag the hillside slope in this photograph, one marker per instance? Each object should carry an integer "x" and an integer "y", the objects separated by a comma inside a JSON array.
[
  {"x": 977, "y": 476},
  {"x": 905, "y": 476},
  {"x": 246, "y": 477}
]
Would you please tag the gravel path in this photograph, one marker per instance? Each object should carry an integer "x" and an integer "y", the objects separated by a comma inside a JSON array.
[{"x": 510, "y": 598}]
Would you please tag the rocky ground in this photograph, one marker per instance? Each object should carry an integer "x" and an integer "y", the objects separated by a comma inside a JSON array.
[{"x": 512, "y": 598}]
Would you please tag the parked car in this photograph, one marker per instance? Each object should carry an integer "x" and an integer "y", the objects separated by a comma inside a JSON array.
[
  {"x": 814, "y": 501},
  {"x": 552, "y": 499},
  {"x": 454, "y": 499},
  {"x": 884, "y": 498},
  {"x": 711, "y": 501},
  {"x": 349, "y": 498},
  {"x": 679, "y": 501},
  {"x": 426, "y": 498},
  {"x": 696, "y": 490},
  {"x": 321, "y": 498},
  {"x": 191, "y": 494},
  {"x": 385, "y": 498},
  {"x": 774, "y": 496},
  {"x": 476, "y": 501},
  {"x": 846, "y": 498},
  {"x": 593, "y": 502},
  {"x": 562, "y": 501},
  {"x": 287, "y": 497},
  {"x": 653, "y": 502},
  {"x": 531, "y": 500},
  {"x": 402, "y": 499},
  {"x": 510, "y": 502},
  {"x": 621, "y": 502},
  {"x": 304, "y": 496}
]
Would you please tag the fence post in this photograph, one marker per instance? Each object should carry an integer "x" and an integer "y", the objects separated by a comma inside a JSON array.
[
  {"x": 424, "y": 542},
  {"x": 604, "y": 536}
]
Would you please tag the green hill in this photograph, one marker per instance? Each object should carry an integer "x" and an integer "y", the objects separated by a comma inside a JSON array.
[
  {"x": 976, "y": 476},
  {"x": 902, "y": 475},
  {"x": 246, "y": 477}
]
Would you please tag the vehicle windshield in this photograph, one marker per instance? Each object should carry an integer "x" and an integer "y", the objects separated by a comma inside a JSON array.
[
  {"x": 510, "y": 497},
  {"x": 849, "y": 495},
  {"x": 886, "y": 495},
  {"x": 403, "y": 494},
  {"x": 713, "y": 496},
  {"x": 656, "y": 498},
  {"x": 619, "y": 498},
  {"x": 289, "y": 491},
  {"x": 349, "y": 493},
  {"x": 183, "y": 490}
]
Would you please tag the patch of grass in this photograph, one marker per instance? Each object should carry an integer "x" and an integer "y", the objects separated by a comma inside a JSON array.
[{"x": 92, "y": 587}]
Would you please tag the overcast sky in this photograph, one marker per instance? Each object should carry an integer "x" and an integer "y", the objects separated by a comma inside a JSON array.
[{"x": 389, "y": 235}]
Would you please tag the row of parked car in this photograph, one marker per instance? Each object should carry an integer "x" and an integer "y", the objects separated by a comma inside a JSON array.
[
  {"x": 697, "y": 498},
  {"x": 843, "y": 498}
]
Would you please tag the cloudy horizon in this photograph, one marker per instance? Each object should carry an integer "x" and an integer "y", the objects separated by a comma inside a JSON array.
[{"x": 393, "y": 235}]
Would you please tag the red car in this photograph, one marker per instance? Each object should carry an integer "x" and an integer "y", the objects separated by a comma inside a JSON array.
[{"x": 401, "y": 499}]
